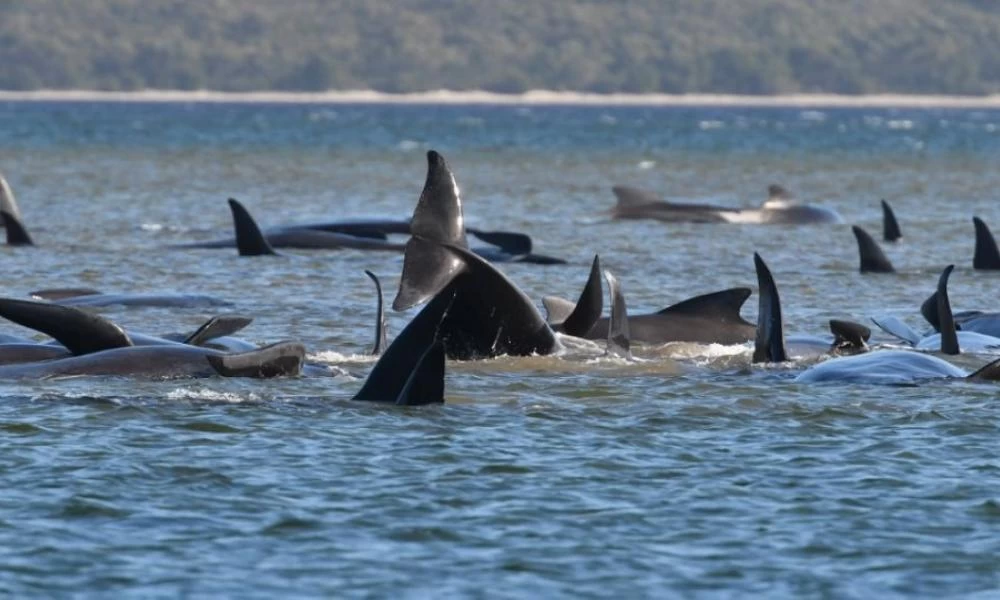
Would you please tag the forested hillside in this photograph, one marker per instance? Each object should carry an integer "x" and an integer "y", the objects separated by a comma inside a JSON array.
[{"x": 674, "y": 46}]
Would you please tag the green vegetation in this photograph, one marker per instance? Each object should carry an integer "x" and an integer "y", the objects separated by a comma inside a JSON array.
[{"x": 721, "y": 46}]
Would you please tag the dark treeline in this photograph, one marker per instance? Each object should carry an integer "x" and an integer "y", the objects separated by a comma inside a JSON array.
[{"x": 722, "y": 46}]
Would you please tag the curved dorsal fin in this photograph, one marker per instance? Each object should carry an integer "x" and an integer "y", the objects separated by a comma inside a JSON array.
[
  {"x": 724, "y": 305},
  {"x": 769, "y": 345},
  {"x": 17, "y": 235},
  {"x": 986, "y": 257},
  {"x": 425, "y": 385},
  {"x": 949, "y": 335},
  {"x": 777, "y": 192},
  {"x": 589, "y": 307},
  {"x": 381, "y": 330},
  {"x": 619, "y": 338},
  {"x": 633, "y": 196},
  {"x": 79, "y": 331},
  {"x": 890, "y": 226},
  {"x": 873, "y": 260},
  {"x": 249, "y": 239},
  {"x": 7, "y": 201}
]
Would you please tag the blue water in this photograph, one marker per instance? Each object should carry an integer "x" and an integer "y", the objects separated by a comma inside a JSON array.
[{"x": 692, "y": 474}]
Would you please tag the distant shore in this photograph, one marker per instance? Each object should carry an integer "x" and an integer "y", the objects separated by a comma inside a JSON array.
[{"x": 531, "y": 98}]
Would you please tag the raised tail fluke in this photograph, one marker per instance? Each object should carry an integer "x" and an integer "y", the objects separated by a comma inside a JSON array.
[
  {"x": 949, "y": 334},
  {"x": 425, "y": 384},
  {"x": 216, "y": 327},
  {"x": 79, "y": 331},
  {"x": 987, "y": 256},
  {"x": 619, "y": 338},
  {"x": 381, "y": 330},
  {"x": 276, "y": 360},
  {"x": 17, "y": 234},
  {"x": 589, "y": 307},
  {"x": 250, "y": 241},
  {"x": 873, "y": 260},
  {"x": 769, "y": 345},
  {"x": 898, "y": 329},
  {"x": 890, "y": 227}
]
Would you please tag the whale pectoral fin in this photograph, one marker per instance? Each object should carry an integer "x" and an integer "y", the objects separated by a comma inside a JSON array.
[
  {"x": 55, "y": 294},
  {"x": 849, "y": 335},
  {"x": 17, "y": 234},
  {"x": 724, "y": 305},
  {"x": 949, "y": 333},
  {"x": 250, "y": 241},
  {"x": 769, "y": 344},
  {"x": 890, "y": 227},
  {"x": 557, "y": 309},
  {"x": 510, "y": 242},
  {"x": 897, "y": 329},
  {"x": 987, "y": 256},
  {"x": 381, "y": 330},
  {"x": 276, "y": 360},
  {"x": 79, "y": 331},
  {"x": 217, "y": 327},
  {"x": 589, "y": 307},
  {"x": 425, "y": 385},
  {"x": 873, "y": 260},
  {"x": 619, "y": 338}
]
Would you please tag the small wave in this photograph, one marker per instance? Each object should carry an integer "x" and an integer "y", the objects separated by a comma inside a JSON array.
[
  {"x": 152, "y": 227},
  {"x": 332, "y": 357},
  {"x": 202, "y": 394},
  {"x": 646, "y": 165},
  {"x": 706, "y": 125},
  {"x": 408, "y": 145}
]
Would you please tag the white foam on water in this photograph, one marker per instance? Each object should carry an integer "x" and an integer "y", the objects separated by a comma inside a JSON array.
[{"x": 202, "y": 394}]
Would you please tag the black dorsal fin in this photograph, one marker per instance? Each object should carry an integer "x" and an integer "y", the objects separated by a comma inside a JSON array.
[
  {"x": 589, "y": 307},
  {"x": 633, "y": 196},
  {"x": 250, "y": 241},
  {"x": 79, "y": 331},
  {"x": 769, "y": 345},
  {"x": 987, "y": 257},
  {"x": 848, "y": 334},
  {"x": 890, "y": 227},
  {"x": 7, "y": 201},
  {"x": 425, "y": 384},
  {"x": 929, "y": 309},
  {"x": 17, "y": 235},
  {"x": 777, "y": 192},
  {"x": 619, "y": 337},
  {"x": 873, "y": 260},
  {"x": 724, "y": 305},
  {"x": 216, "y": 327},
  {"x": 949, "y": 335},
  {"x": 381, "y": 330},
  {"x": 428, "y": 266},
  {"x": 276, "y": 360}
]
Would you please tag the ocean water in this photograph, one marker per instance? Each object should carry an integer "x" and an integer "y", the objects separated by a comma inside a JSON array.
[{"x": 690, "y": 474}]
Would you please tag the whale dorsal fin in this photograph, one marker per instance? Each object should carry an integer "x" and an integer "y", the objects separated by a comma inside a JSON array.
[
  {"x": 17, "y": 235},
  {"x": 949, "y": 335},
  {"x": 7, "y": 201},
  {"x": 898, "y": 329},
  {"x": 217, "y": 327},
  {"x": 873, "y": 260},
  {"x": 724, "y": 305},
  {"x": 986, "y": 257},
  {"x": 428, "y": 266},
  {"x": 849, "y": 335},
  {"x": 425, "y": 385},
  {"x": 250, "y": 241},
  {"x": 79, "y": 331},
  {"x": 769, "y": 344},
  {"x": 619, "y": 338},
  {"x": 633, "y": 196},
  {"x": 276, "y": 360},
  {"x": 890, "y": 227},
  {"x": 381, "y": 330},
  {"x": 589, "y": 307}
]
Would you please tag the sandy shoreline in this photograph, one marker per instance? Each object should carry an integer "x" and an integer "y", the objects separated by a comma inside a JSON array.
[{"x": 537, "y": 97}]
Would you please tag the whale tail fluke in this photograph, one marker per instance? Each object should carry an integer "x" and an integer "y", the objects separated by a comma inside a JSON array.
[
  {"x": 619, "y": 337},
  {"x": 890, "y": 227},
  {"x": 79, "y": 331},
  {"x": 381, "y": 329},
  {"x": 769, "y": 344},
  {"x": 873, "y": 260},
  {"x": 277, "y": 360},
  {"x": 987, "y": 256},
  {"x": 17, "y": 234},
  {"x": 216, "y": 327},
  {"x": 250, "y": 241},
  {"x": 425, "y": 384}
]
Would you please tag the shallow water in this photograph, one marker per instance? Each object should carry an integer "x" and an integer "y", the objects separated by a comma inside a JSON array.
[{"x": 691, "y": 474}]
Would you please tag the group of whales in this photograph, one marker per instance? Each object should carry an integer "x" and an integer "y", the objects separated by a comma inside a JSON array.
[{"x": 472, "y": 311}]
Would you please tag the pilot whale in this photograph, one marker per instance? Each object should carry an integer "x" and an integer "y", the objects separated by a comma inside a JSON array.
[{"x": 779, "y": 209}]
